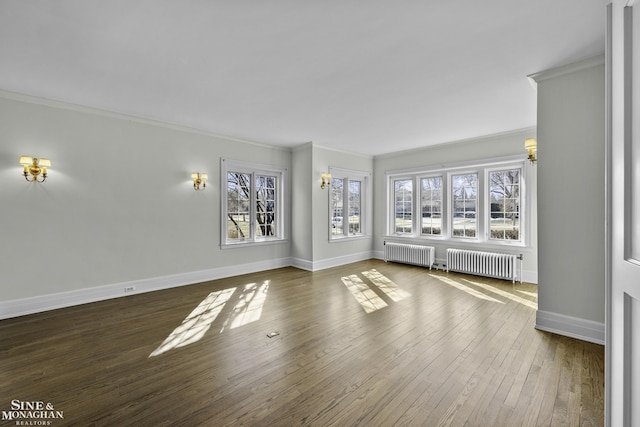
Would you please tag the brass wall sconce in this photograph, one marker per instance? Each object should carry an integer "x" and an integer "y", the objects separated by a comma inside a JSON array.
[
  {"x": 326, "y": 180},
  {"x": 531, "y": 145},
  {"x": 199, "y": 179},
  {"x": 35, "y": 167}
]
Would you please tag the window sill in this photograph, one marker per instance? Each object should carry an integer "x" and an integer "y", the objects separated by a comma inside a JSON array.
[
  {"x": 483, "y": 244},
  {"x": 250, "y": 243},
  {"x": 349, "y": 238}
]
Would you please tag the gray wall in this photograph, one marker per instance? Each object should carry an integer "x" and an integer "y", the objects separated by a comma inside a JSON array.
[
  {"x": 571, "y": 190},
  {"x": 302, "y": 216},
  {"x": 118, "y": 204},
  {"x": 477, "y": 149},
  {"x": 323, "y": 248}
]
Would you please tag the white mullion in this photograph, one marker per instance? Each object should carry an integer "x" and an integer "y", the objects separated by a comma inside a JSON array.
[
  {"x": 417, "y": 214},
  {"x": 444, "y": 220},
  {"x": 481, "y": 208},
  {"x": 252, "y": 206},
  {"x": 345, "y": 206}
]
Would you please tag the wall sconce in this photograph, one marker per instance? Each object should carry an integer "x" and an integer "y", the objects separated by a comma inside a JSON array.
[
  {"x": 531, "y": 145},
  {"x": 198, "y": 180},
  {"x": 35, "y": 167},
  {"x": 326, "y": 180}
]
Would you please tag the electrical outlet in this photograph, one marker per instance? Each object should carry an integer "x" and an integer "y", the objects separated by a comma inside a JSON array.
[{"x": 128, "y": 289}]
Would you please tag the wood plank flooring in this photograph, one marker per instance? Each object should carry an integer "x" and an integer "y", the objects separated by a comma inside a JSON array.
[{"x": 399, "y": 346}]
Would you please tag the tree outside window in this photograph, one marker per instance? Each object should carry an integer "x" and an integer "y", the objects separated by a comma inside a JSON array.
[
  {"x": 464, "y": 189},
  {"x": 504, "y": 188},
  {"x": 431, "y": 205},
  {"x": 403, "y": 194},
  {"x": 482, "y": 204},
  {"x": 252, "y": 212}
]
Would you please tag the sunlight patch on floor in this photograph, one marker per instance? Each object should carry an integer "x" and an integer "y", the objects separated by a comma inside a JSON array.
[
  {"x": 249, "y": 306},
  {"x": 530, "y": 294},
  {"x": 504, "y": 294},
  {"x": 386, "y": 285},
  {"x": 366, "y": 297},
  {"x": 464, "y": 288},
  {"x": 197, "y": 323}
]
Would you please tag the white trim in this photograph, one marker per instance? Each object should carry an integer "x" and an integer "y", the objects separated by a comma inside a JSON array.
[
  {"x": 574, "y": 327},
  {"x": 37, "y": 304},
  {"x": 332, "y": 262},
  {"x": 282, "y": 213},
  {"x": 473, "y": 140},
  {"x": 48, "y": 102},
  {"x": 42, "y": 303},
  {"x": 303, "y": 264},
  {"x": 495, "y": 162},
  {"x": 481, "y": 168},
  {"x": 334, "y": 149},
  {"x": 341, "y": 260},
  {"x": 566, "y": 69},
  {"x": 366, "y": 216}
]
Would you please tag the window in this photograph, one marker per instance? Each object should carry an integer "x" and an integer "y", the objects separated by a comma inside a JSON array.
[
  {"x": 464, "y": 193},
  {"x": 474, "y": 204},
  {"x": 504, "y": 190},
  {"x": 431, "y": 206},
  {"x": 252, "y": 211},
  {"x": 403, "y": 193},
  {"x": 337, "y": 209},
  {"x": 348, "y": 203},
  {"x": 355, "y": 193}
]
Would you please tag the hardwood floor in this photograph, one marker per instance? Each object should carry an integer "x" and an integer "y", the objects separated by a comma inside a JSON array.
[{"x": 366, "y": 344}]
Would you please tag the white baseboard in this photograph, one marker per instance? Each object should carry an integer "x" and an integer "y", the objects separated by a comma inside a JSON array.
[
  {"x": 302, "y": 264},
  {"x": 37, "y": 304},
  {"x": 330, "y": 262},
  {"x": 41, "y": 303},
  {"x": 342, "y": 260},
  {"x": 574, "y": 327}
]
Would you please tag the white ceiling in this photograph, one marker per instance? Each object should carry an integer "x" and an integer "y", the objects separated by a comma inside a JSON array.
[{"x": 370, "y": 76}]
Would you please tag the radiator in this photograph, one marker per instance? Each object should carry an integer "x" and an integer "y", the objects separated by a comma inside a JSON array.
[
  {"x": 490, "y": 264},
  {"x": 410, "y": 254}
]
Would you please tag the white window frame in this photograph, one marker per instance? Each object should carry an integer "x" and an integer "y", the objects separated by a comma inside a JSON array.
[
  {"x": 392, "y": 203},
  {"x": 443, "y": 209},
  {"x": 281, "y": 220},
  {"x": 488, "y": 201},
  {"x": 483, "y": 202},
  {"x": 365, "y": 204},
  {"x": 479, "y": 199}
]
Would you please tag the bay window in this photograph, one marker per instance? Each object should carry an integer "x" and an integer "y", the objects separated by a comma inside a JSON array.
[{"x": 475, "y": 204}]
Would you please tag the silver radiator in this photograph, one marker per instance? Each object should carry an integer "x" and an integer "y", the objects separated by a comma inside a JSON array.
[
  {"x": 410, "y": 254},
  {"x": 490, "y": 264}
]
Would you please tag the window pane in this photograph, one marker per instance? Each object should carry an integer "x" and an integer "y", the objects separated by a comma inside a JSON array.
[
  {"x": 431, "y": 205},
  {"x": 238, "y": 197},
  {"x": 337, "y": 194},
  {"x": 403, "y": 190},
  {"x": 265, "y": 205},
  {"x": 504, "y": 192},
  {"x": 464, "y": 193},
  {"x": 354, "y": 206}
]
